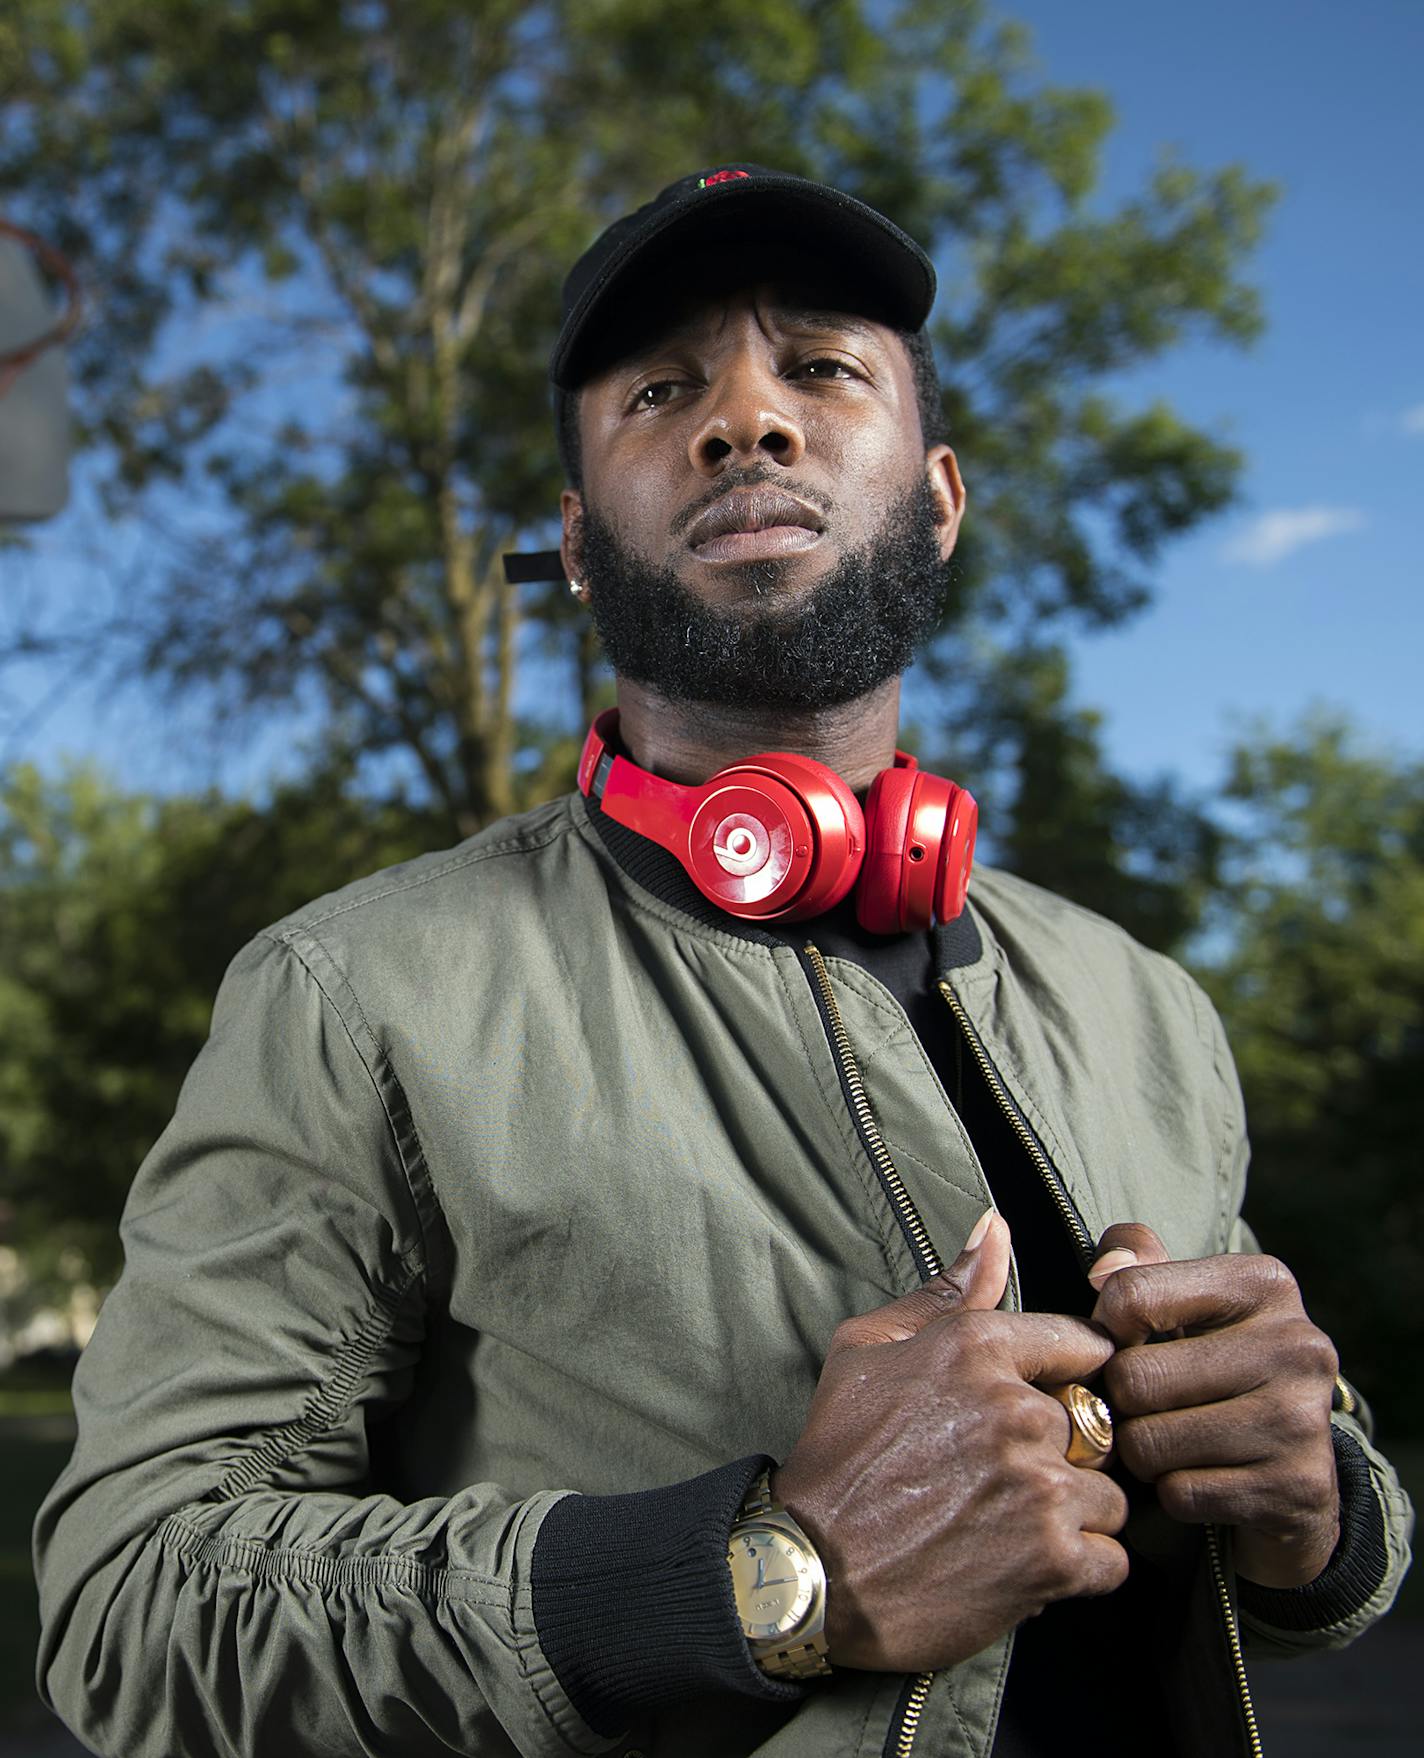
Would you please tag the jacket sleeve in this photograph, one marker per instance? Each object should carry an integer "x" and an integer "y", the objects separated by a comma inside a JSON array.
[{"x": 217, "y": 1573}]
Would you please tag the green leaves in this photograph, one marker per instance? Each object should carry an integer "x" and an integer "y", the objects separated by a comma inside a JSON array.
[
  {"x": 323, "y": 248},
  {"x": 118, "y": 916},
  {"x": 1320, "y": 978},
  {"x": 1145, "y": 855}
]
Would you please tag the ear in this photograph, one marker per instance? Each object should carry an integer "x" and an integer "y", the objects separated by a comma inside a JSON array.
[
  {"x": 571, "y": 544},
  {"x": 947, "y": 487}
]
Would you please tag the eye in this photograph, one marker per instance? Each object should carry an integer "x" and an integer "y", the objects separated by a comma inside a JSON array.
[
  {"x": 826, "y": 367},
  {"x": 658, "y": 394}
]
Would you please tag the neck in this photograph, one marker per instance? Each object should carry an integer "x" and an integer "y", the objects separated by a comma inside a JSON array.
[{"x": 689, "y": 741}]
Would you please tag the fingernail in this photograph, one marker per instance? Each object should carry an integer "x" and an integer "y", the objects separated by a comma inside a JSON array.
[
  {"x": 1118, "y": 1259},
  {"x": 981, "y": 1227}
]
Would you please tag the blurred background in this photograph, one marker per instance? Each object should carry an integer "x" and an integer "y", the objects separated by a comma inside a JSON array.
[{"x": 254, "y": 639}]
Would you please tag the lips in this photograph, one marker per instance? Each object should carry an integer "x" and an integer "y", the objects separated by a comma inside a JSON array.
[{"x": 744, "y": 510}]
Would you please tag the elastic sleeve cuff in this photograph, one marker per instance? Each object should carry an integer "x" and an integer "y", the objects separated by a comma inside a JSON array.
[
  {"x": 1357, "y": 1565},
  {"x": 632, "y": 1598}
]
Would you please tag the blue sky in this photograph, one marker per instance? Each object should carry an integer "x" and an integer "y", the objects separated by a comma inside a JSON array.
[{"x": 1308, "y": 593}]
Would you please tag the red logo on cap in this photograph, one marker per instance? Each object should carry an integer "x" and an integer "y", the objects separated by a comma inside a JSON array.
[{"x": 721, "y": 177}]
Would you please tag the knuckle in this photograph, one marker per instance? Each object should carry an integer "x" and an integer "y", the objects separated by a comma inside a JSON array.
[
  {"x": 1026, "y": 1478},
  {"x": 1127, "y": 1299},
  {"x": 1135, "y": 1380},
  {"x": 977, "y": 1330},
  {"x": 1115, "y": 1568},
  {"x": 1296, "y": 1427},
  {"x": 969, "y": 1353},
  {"x": 1057, "y": 1562},
  {"x": 1112, "y": 1301},
  {"x": 1118, "y": 1506},
  {"x": 1182, "y": 1496},
  {"x": 1139, "y": 1445},
  {"x": 1055, "y": 1493},
  {"x": 946, "y": 1292},
  {"x": 1318, "y": 1355},
  {"x": 1302, "y": 1489},
  {"x": 1273, "y": 1277},
  {"x": 1016, "y": 1426},
  {"x": 1303, "y": 1363},
  {"x": 1302, "y": 1421}
]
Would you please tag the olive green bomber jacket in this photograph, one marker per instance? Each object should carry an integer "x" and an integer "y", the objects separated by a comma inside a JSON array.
[{"x": 500, "y": 1177}]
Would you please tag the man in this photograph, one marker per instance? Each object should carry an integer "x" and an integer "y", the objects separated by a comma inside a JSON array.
[{"x": 536, "y": 1167}]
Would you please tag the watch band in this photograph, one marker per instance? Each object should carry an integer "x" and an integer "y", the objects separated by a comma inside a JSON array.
[
  {"x": 805, "y": 1659},
  {"x": 757, "y": 1500},
  {"x": 803, "y": 1662}
]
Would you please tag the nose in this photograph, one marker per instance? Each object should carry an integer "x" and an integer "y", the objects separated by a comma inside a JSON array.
[{"x": 747, "y": 419}]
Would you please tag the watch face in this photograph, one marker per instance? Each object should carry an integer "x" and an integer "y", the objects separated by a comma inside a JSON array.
[{"x": 773, "y": 1582}]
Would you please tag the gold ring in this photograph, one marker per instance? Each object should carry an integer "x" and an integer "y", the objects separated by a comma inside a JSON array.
[{"x": 1091, "y": 1438}]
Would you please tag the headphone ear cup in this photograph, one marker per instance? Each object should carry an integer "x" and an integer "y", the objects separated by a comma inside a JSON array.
[
  {"x": 919, "y": 835},
  {"x": 956, "y": 853},
  {"x": 749, "y": 843},
  {"x": 887, "y": 824},
  {"x": 837, "y": 823}
]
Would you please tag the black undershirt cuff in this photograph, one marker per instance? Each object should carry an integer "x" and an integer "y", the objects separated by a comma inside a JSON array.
[
  {"x": 1357, "y": 1565},
  {"x": 633, "y": 1599}
]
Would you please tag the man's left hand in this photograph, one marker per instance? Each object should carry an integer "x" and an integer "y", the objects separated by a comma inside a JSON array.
[{"x": 1220, "y": 1391}]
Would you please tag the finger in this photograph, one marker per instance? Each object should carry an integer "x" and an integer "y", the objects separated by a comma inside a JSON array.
[
  {"x": 1070, "y": 1555},
  {"x": 1049, "y": 1348},
  {"x": 1151, "y": 1447},
  {"x": 1123, "y": 1244},
  {"x": 1204, "y": 1293},
  {"x": 975, "y": 1281},
  {"x": 1104, "y": 1565},
  {"x": 1233, "y": 1495},
  {"x": 1102, "y": 1503},
  {"x": 1147, "y": 1377}
]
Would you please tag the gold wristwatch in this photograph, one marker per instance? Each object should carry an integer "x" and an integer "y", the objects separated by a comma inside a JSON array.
[{"x": 780, "y": 1587}]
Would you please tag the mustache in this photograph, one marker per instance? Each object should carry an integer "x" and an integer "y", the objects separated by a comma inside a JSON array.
[{"x": 750, "y": 476}]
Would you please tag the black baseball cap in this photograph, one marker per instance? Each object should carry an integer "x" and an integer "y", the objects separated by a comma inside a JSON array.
[{"x": 876, "y": 267}]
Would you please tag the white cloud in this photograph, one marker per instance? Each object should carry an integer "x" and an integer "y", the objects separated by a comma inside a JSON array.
[
  {"x": 1272, "y": 536},
  {"x": 1412, "y": 420}
]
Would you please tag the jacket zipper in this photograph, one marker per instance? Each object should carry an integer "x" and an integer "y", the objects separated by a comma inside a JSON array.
[
  {"x": 1233, "y": 1639},
  {"x": 900, "y": 1740},
  {"x": 1042, "y": 1165},
  {"x": 1084, "y": 1242},
  {"x": 926, "y": 1257}
]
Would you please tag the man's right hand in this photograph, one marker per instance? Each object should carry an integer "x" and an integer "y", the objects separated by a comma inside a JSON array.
[{"x": 931, "y": 1473}]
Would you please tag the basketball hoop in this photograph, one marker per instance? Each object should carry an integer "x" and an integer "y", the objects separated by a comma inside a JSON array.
[{"x": 13, "y": 361}]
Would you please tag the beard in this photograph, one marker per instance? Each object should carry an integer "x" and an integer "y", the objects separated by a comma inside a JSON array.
[{"x": 851, "y": 632}]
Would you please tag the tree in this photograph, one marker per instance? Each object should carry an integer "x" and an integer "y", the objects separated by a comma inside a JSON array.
[
  {"x": 1320, "y": 979},
  {"x": 118, "y": 916},
  {"x": 1144, "y": 855},
  {"x": 323, "y": 244}
]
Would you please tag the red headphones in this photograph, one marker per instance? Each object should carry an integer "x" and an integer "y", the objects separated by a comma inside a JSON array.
[{"x": 782, "y": 835}]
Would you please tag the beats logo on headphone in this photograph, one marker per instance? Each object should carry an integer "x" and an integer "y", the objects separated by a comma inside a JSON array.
[{"x": 782, "y": 835}]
